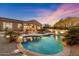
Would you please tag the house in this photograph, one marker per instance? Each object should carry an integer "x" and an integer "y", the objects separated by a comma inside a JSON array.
[
  {"x": 18, "y": 25},
  {"x": 10, "y": 24},
  {"x": 32, "y": 25}
]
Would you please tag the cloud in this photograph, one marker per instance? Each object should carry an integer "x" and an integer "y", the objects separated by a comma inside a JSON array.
[
  {"x": 41, "y": 14},
  {"x": 51, "y": 17},
  {"x": 65, "y": 10}
]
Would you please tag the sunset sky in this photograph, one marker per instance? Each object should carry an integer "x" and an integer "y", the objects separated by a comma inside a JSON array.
[{"x": 42, "y": 12}]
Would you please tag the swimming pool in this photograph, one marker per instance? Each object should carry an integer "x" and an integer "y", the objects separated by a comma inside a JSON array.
[{"x": 47, "y": 45}]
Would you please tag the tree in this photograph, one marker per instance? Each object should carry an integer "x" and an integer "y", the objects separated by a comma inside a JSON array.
[
  {"x": 67, "y": 22},
  {"x": 72, "y": 37},
  {"x": 46, "y": 26}
]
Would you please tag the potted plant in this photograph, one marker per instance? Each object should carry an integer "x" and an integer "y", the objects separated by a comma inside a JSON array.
[{"x": 11, "y": 35}]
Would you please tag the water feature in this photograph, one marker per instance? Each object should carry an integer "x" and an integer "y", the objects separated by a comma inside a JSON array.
[{"x": 46, "y": 45}]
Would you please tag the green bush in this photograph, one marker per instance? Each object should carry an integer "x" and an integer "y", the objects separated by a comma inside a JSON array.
[
  {"x": 11, "y": 35},
  {"x": 73, "y": 36}
]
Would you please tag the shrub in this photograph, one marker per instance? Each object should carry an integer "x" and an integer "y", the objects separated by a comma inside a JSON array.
[
  {"x": 73, "y": 36},
  {"x": 11, "y": 35}
]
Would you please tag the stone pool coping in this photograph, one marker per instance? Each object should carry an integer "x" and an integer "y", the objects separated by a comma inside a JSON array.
[{"x": 65, "y": 52}]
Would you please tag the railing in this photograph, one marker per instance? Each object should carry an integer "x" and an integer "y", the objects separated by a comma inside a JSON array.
[{"x": 36, "y": 35}]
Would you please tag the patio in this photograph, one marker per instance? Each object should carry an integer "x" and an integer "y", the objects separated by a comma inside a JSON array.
[{"x": 7, "y": 49}]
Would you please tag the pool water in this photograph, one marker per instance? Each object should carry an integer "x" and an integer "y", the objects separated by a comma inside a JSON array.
[{"x": 46, "y": 45}]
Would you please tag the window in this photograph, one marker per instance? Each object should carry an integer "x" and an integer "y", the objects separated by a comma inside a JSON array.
[
  {"x": 19, "y": 26},
  {"x": 7, "y": 25}
]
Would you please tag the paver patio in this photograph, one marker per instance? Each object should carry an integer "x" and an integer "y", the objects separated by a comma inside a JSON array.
[{"x": 6, "y": 48}]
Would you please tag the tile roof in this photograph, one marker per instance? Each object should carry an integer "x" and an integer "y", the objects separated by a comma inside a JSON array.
[{"x": 19, "y": 21}]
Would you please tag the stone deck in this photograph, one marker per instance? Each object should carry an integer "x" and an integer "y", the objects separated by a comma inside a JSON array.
[{"x": 6, "y": 48}]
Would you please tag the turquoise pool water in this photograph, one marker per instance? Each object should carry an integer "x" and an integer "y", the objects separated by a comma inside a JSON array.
[{"x": 46, "y": 45}]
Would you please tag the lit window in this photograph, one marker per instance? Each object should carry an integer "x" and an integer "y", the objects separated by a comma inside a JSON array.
[
  {"x": 7, "y": 25},
  {"x": 19, "y": 25}
]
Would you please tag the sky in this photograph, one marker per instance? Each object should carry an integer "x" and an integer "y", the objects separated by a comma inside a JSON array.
[{"x": 45, "y": 13}]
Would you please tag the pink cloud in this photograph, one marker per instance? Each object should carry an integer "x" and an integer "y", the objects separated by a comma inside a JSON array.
[
  {"x": 50, "y": 17},
  {"x": 43, "y": 12},
  {"x": 65, "y": 10}
]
